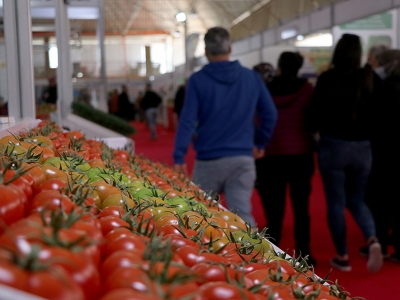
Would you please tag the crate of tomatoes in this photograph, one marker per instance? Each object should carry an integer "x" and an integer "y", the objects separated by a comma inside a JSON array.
[{"x": 80, "y": 220}]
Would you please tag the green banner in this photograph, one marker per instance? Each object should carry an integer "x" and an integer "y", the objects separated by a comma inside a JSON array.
[{"x": 377, "y": 22}]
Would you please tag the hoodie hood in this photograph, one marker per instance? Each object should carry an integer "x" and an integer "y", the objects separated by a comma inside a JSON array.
[
  {"x": 225, "y": 72},
  {"x": 296, "y": 91}
]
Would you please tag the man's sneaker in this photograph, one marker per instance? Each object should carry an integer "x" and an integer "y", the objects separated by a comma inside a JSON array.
[
  {"x": 342, "y": 265},
  {"x": 364, "y": 251},
  {"x": 375, "y": 257},
  {"x": 395, "y": 257}
]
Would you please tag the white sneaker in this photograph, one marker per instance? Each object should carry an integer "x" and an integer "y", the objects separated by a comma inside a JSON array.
[{"x": 375, "y": 257}]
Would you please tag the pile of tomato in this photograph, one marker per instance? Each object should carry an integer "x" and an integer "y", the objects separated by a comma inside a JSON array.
[{"x": 79, "y": 220}]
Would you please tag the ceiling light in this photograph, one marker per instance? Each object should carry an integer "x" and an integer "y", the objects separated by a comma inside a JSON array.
[
  {"x": 180, "y": 16},
  {"x": 288, "y": 33},
  {"x": 316, "y": 40},
  {"x": 300, "y": 37},
  {"x": 176, "y": 33}
]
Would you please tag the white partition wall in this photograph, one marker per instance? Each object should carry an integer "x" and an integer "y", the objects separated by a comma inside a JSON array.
[
  {"x": 380, "y": 28},
  {"x": 327, "y": 18}
]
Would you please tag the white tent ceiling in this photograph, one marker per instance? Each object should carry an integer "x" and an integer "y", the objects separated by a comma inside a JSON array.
[{"x": 126, "y": 17}]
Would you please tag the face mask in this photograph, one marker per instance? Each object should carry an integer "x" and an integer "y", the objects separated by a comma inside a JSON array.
[{"x": 380, "y": 71}]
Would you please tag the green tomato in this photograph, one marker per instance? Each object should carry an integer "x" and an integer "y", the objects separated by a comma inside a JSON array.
[
  {"x": 58, "y": 163},
  {"x": 264, "y": 247},
  {"x": 16, "y": 150},
  {"x": 94, "y": 171},
  {"x": 161, "y": 211},
  {"x": 199, "y": 207},
  {"x": 260, "y": 245},
  {"x": 180, "y": 204},
  {"x": 143, "y": 193},
  {"x": 84, "y": 166},
  {"x": 121, "y": 178},
  {"x": 97, "y": 174},
  {"x": 66, "y": 164}
]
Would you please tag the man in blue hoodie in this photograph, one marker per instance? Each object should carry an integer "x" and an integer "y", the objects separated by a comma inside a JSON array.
[{"x": 221, "y": 102}]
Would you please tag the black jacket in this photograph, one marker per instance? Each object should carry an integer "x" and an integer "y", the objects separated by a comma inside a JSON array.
[
  {"x": 341, "y": 106},
  {"x": 150, "y": 100}
]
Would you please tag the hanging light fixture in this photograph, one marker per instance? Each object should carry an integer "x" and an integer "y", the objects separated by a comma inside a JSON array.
[{"x": 180, "y": 17}]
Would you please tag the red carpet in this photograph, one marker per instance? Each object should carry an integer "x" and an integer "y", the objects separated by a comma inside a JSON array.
[{"x": 358, "y": 282}]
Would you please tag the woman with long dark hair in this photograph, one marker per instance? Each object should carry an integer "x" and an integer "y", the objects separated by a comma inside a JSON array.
[{"x": 341, "y": 115}]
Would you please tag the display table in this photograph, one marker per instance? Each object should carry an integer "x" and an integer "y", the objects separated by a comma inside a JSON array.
[{"x": 153, "y": 196}]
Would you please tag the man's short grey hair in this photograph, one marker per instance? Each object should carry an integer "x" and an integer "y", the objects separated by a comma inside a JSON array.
[
  {"x": 378, "y": 49},
  {"x": 390, "y": 60},
  {"x": 217, "y": 40}
]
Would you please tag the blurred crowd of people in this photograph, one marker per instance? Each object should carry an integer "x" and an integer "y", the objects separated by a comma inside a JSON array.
[
  {"x": 144, "y": 108},
  {"x": 348, "y": 119},
  {"x": 346, "y": 123}
]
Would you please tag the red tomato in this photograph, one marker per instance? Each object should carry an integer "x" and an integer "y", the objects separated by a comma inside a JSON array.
[
  {"x": 129, "y": 294},
  {"x": 11, "y": 205},
  {"x": 120, "y": 232},
  {"x": 213, "y": 272},
  {"x": 167, "y": 220},
  {"x": 90, "y": 206},
  {"x": 120, "y": 259},
  {"x": 183, "y": 290},
  {"x": 111, "y": 222},
  {"x": 73, "y": 134},
  {"x": 178, "y": 241},
  {"x": 29, "y": 179},
  {"x": 105, "y": 189},
  {"x": 20, "y": 182},
  {"x": 121, "y": 154},
  {"x": 13, "y": 276},
  {"x": 250, "y": 267},
  {"x": 128, "y": 277},
  {"x": 111, "y": 211},
  {"x": 37, "y": 174},
  {"x": 46, "y": 153},
  {"x": 266, "y": 279},
  {"x": 125, "y": 243},
  {"x": 285, "y": 266},
  {"x": 237, "y": 258},
  {"x": 168, "y": 229},
  {"x": 52, "y": 200},
  {"x": 51, "y": 282},
  {"x": 82, "y": 271},
  {"x": 189, "y": 254},
  {"x": 169, "y": 271},
  {"x": 53, "y": 184},
  {"x": 50, "y": 286},
  {"x": 52, "y": 172},
  {"x": 279, "y": 292},
  {"x": 223, "y": 291},
  {"x": 23, "y": 233}
]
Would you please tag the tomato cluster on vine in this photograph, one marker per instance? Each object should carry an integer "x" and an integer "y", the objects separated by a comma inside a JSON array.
[{"x": 79, "y": 220}]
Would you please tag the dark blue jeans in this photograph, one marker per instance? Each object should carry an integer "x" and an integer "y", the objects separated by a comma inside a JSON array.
[{"x": 345, "y": 167}]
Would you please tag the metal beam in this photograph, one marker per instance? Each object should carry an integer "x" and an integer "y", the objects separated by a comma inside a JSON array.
[
  {"x": 64, "y": 70},
  {"x": 100, "y": 30},
  {"x": 18, "y": 39},
  {"x": 135, "y": 12}
]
